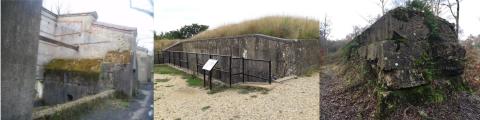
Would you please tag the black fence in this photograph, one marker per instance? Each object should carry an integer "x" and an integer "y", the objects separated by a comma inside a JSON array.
[{"x": 229, "y": 70}]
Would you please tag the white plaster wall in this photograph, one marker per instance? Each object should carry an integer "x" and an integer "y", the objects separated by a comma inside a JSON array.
[{"x": 104, "y": 39}]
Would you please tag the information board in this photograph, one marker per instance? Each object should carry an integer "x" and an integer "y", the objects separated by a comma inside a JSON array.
[{"x": 209, "y": 64}]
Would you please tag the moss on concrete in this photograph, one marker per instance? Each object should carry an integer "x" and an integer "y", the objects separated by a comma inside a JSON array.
[
  {"x": 88, "y": 68},
  {"x": 119, "y": 57}
]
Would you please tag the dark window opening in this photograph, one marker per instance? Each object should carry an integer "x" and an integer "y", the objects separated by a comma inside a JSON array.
[{"x": 69, "y": 97}]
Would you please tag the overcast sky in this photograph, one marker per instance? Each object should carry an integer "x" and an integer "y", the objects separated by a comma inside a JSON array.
[
  {"x": 343, "y": 14},
  {"x": 115, "y": 12}
]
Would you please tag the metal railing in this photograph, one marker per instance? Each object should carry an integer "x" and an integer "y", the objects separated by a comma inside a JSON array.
[{"x": 229, "y": 69}]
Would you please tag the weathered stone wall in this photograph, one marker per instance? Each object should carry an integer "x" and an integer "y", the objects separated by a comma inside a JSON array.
[
  {"x": 288, "y": 57},
  {"x": 79, "y": 36},
  {"x": 123, "y": 78},
  {"x": 93, "y": 39},
  {"x": 401, "y": 44},
  {"x": 19, "y": 31},
  {"x": 61, "y": 87}
]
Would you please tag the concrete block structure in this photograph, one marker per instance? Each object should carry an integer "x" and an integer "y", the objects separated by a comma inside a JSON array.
[{"x": 20, "y": 27}]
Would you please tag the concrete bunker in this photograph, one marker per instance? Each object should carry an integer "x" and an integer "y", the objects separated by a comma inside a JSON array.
[
  {"x": 407, "y": 57},
  {"x": 287, "y": 56}
]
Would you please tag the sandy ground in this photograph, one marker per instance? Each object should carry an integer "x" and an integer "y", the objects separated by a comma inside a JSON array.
[{"x": 296, "y": 99}]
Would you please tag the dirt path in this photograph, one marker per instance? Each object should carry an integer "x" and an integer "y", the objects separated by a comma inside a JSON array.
[{"x": 292, "y": 99}]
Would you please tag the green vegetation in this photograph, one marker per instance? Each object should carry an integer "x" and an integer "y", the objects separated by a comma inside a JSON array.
[
  {"x": 194, "y": 81},
  {"x": 278, "y": 26},
  {"x": 348, "y": 49},
  {"x": 191, "y": 79},
  {"x": 430, "y": 19},
  {"x": 165, "y": 69},
  {"x": 75, "y": 113},
  {"x": 311, "y": 71},
  {"x": 161, "y": 44},
  {"x": 89, "y": 68},
  {"x": 205, "y": 108},
  {"x": 185, "y": 32}
]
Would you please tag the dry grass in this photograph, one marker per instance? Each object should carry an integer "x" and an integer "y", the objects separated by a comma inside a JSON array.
[
  {"x": 161, "y": 44},
  {"x": 74, "y": 65},
  {"x": 278, "y": 26},
  {"x": 118, "y": 57},
  {"x": 472, "y": 68}
]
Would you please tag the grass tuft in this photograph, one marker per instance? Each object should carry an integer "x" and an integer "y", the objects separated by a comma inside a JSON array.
[{"x": 205, "y": 108}]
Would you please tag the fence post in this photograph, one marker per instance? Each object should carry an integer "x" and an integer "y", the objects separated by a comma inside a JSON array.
[
  {"x": 204, "y": 80},
  {"x": 158, "y": 58},
  {"x": 269, "y": 72},
  {"x": 196, "y": 64},
  {"x": 243, "y": 70},
  {"x": 230, "y": 71},
  {"x": 210, "y": 79},
  {"x": 186, "y": 56}
]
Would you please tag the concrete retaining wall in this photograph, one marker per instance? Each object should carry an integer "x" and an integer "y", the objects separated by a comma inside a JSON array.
[
  {"x": 61, "y": 87},
  {"x": 288, "y": 57}
]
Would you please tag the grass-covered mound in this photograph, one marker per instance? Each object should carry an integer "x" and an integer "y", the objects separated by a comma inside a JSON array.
[
  {"x": 161, "y": 44},
  {"x": 278, "y": 26},
  {"x": 89, "y": 68}
]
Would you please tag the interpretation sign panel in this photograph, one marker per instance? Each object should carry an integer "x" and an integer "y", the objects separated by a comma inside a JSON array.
[{"x": 209, "y": 64}]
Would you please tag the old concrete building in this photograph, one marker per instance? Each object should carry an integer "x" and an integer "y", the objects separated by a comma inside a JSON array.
[{"x": 69, "y": 40}]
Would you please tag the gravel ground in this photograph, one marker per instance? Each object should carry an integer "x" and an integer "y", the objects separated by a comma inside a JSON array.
[{"x": 296, "y": 99}]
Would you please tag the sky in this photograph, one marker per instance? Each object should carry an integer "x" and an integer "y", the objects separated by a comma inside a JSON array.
[
  {"x": 115, "y": 12},
  {"x": 342, "y": 14}
]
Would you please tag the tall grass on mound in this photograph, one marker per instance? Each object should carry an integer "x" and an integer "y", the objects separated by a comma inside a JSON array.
[
  {"x": 278, "y": 26},
  {"x": 161, "y": 44}
]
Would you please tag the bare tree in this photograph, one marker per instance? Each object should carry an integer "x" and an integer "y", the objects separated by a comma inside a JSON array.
[
  {"x": 455, "y": 14},
  {"x": 325, "y": 28},
  {"x": 383, "y": 4},
  {"x": 436, "y": 6},
  {"x": 59, "y": 7}
]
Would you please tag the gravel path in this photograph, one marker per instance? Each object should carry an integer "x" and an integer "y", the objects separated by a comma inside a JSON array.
[
  {"x": 293, "y": 99},
  {"x": 137, "y": 108}
]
